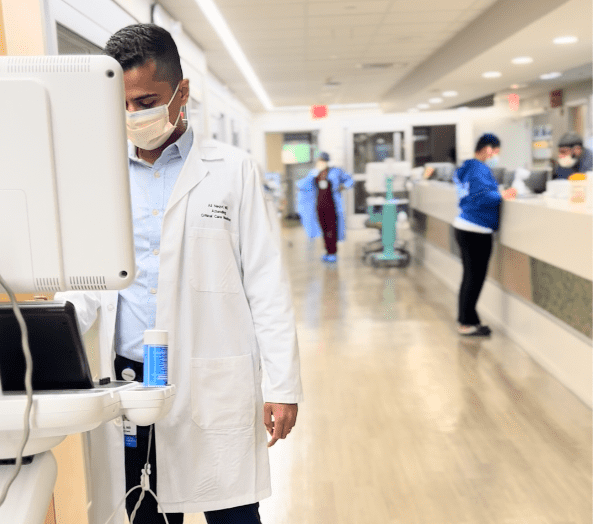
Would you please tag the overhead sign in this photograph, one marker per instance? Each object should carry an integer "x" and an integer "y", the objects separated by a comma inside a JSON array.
[
  {"x": 514, "y": 100},
  {"x": 556, "y": 98},
  {"x": 319, "y": 112}
]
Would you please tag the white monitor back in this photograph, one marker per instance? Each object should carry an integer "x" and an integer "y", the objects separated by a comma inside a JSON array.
[
  {"x": 378, "y": 172},
  {"x": 65, "y": 207}
]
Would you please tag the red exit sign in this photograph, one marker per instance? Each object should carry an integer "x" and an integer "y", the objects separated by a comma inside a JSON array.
[{"x": 319, "y": 112}]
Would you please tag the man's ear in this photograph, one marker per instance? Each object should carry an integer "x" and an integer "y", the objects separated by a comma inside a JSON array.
[{"x": 184, "y": 88}]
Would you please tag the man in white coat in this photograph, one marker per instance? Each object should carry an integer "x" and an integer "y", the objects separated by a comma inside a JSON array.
[{"x": 210, "y": 273}]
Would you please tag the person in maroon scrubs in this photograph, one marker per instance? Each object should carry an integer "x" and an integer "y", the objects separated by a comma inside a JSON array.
[
  {"x": 326, "y": 211},
  {"x": 320, "y": 204}
]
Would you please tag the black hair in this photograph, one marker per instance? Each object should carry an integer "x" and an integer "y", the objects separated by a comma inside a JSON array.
[
  {"x": 137, "y": 44},
  {"x": 486, "y": 140}
]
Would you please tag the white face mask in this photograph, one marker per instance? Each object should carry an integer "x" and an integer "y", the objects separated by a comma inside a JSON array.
[
  {"x": 492, "y": 161},
  {"x": 150, "y": 128},
  {"x": 567, "y": 161}
]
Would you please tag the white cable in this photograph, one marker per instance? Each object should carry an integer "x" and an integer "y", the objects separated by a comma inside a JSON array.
[
  {"x": 144, "y": 478},
  {"x": 126, "y": 496},
  {"x": 144, "y": 486},
  {"x": 28, "y": 386}
]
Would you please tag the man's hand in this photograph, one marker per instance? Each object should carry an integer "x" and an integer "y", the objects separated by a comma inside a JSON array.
[
  {"x": 284, "y": 418},
  {"x": 509, "y": 194}
]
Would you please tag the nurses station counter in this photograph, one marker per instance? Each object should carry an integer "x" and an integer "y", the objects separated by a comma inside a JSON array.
[{"x": 538, "y": 290}]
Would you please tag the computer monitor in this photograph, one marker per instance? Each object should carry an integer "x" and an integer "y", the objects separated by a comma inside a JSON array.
[
  {"x": 57, "y": 349},
  {"x": 443, "y": 171},
  {"x": 508, "y": 178},
  {"x": 65, "y": 211},
  {"x": 537, "y": 181},
  {"x": 498, "y": 174}
]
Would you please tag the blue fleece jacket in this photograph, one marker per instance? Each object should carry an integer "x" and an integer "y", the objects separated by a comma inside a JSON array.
[{"x": 477, "y": 191}]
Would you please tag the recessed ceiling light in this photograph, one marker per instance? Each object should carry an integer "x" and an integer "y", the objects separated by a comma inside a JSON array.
[
  {"x": 550, "y": 76},
  {"x": 450, "y": 94},
  {"x": 518, "y": 86},
  {"x": 566, "y": 40},
  {"x": 492, "y": 74},
  {"x": 423, "y": 106},
  {"x": 413, "y": 110},
  {"x": 522, "y": 60},
  {"x": 435, "y": 100}
]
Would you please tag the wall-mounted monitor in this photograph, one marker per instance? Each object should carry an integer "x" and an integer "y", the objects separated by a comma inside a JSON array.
[{"x": 296, "y": 153}]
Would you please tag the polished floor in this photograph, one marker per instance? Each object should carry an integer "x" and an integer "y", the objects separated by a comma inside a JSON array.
[{"x": 404, "y": 422}]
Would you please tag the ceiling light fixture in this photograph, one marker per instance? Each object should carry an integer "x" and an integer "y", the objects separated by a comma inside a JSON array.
[
  {"x": 450, "y": 94},
  {"x": 550, "y": 76},
  {"x": 214, "y": 16},
  {"x": 413, "y": 110},
  {"x": 423, "y": 106},
  {"x": 562, "y": 40},
  {"x": 435, "y": 100},
  {"x": 518, "y": 86},
  {"x": 492, "y": 74},
  {"x": 520, "y": 60}
]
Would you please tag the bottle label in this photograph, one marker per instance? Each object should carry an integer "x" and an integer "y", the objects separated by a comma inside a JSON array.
[{"x": 155, "y": 365}]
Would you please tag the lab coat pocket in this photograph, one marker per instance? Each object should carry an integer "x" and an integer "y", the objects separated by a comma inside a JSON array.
[
  {"x": 223, "y": 392},
  {"x": 213, "y": 265}
]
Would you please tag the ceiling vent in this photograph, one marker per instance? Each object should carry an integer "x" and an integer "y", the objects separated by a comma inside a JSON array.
[
  {"x": 379, "y": 66},
  {"x": 331, "y": 84}
]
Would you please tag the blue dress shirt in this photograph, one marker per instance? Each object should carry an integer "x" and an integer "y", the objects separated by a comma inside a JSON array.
[{"x": 151, "y": 187}]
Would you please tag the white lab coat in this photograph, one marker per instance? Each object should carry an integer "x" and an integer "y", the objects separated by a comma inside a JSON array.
[{"x": 224, "y": 298}]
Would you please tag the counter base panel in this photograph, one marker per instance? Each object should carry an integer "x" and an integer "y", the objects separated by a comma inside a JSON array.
[{"x": 561, "y": 350}]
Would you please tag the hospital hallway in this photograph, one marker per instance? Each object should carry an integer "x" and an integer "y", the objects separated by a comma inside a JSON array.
[{"x": 404, "y": 422}]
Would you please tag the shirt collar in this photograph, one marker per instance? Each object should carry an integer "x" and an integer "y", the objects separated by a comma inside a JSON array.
[{"x": 181, "y": 147}]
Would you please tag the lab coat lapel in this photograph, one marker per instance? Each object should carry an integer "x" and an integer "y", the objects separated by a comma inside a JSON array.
[{"x": 192, "y": 173}]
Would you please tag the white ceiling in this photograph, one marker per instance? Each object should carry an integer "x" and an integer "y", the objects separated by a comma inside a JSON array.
[{"x": 298, "y": 47}]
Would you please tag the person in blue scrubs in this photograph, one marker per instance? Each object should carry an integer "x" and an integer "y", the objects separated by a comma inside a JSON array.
[
  {"x": 479, "y": 204},
  {"x": 320, "y": 204},
  {"x": 572, "y": 156}
]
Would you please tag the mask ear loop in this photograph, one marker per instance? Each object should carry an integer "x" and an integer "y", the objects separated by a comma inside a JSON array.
[{"x": 179, "y": 115}]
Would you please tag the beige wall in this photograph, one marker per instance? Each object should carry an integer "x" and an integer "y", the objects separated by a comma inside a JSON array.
[
  {"x": 70, "y": 492},
  {"x": 2, "y": 36},
  {"x": 274, "y": 142},
  {"x": 23, "y": 27},
  {"x": 50, "y": 518}
]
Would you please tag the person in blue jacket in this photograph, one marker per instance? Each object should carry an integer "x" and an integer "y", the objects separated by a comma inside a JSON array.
[
  {"x": 320, "y": 204},
  {"x": 479, "y": 203}
]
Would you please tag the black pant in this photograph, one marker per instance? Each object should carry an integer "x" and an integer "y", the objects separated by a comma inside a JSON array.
[
  {"x": 475, "y": 254},
  {"x": 135, "y": 458}
]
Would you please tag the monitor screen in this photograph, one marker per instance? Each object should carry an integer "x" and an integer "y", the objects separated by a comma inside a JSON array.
[
  {"x": 296, "y": 153},
  {"x": 537, "y": 181},
  {"x": 65, "y": 212},
  {"x": 57, "y": 350},
  {"x": 498, "y": 174}
]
